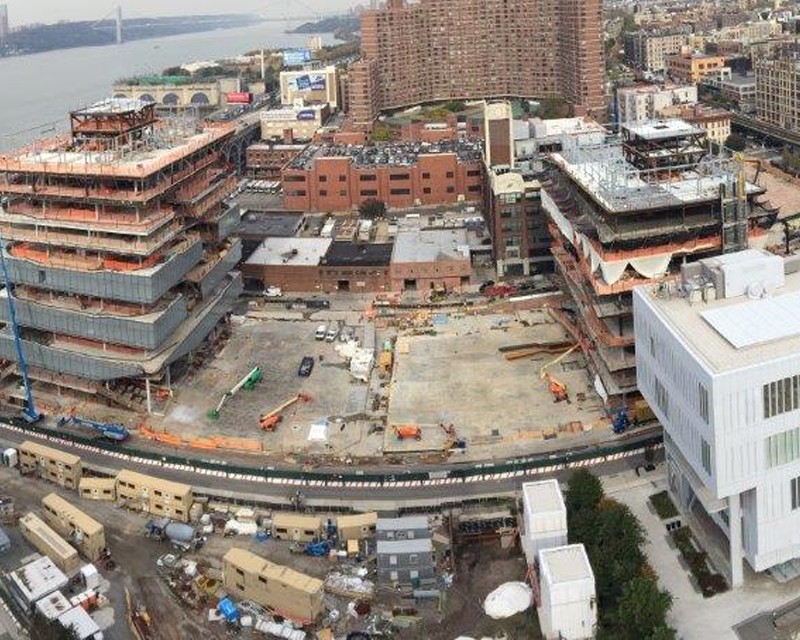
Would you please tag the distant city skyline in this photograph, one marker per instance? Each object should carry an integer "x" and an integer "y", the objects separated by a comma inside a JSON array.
[{"x": 25, "y": 12}]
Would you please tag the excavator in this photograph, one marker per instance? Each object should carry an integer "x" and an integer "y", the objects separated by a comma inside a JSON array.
[
  {"x": 557, "y": 388},
  {"x": 269, "y": 421}
]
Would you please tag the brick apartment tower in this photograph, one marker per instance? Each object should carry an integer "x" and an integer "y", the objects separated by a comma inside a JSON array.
[{"x": 435, "y": 50}]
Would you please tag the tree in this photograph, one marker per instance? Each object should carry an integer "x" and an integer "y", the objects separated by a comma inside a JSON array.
[
  {"x": 455, "y": 106},
  {"x": 642, "y": 611},
  {"x": 584, "y": 491},
  {"x": 175, "y": 71},
  {"x": 736, "y": 142},
  {"x": 372, "y": 209},
  {"x": 614, "y": 546}
]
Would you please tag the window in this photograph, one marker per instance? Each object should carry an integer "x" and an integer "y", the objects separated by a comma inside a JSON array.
[
  {"x": 703, "y": 401},
  {"x": 399, "y": 192},
  {"x": 294, "y": 179},
  {"x": 426, "y": 189},
  {"x": 781, "y": 396},
  {"x": 474, "y": 187},
  {"x": 158, "y": 493},
  {"x": 323, "y": 178},
  {"x": 368, "y": 177},
  {"x": 342, "y": 178},
  {"x": 413, "y": 559},
  {"x": 426, "y": 175},
  {"x": 782, "y": 447},
  {"x": 323, "y": 192},
  {"x": 451, "y": 189},
  {"x": 393, "y": 560},
  {"x": 705, "y": 455},
  {"x": 473, "y": 172},
  {"x": 262, "y": 580},
  {"x": 450, "y": 174},
  {"x": 399, "y": 176},
  {"x": 652, "y": 347},
  {"x": 369, "y": 192},
  {"x": 795, "y": 482},
  {"x": 662, "y": 399}
]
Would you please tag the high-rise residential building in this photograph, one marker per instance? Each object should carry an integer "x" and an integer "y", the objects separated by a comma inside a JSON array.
[
  {"x": 116, "y": 243},
  {"x": 427, "y": 51},
  {"x": 778, "y": 87},
  {"x": 717, "y": 360}
]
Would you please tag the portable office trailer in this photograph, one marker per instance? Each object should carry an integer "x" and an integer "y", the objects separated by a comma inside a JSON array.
[
  {"x": 49, "y": 543},
  {"x": 50, "y": 464},
  {"x": 358, "y": 526},
  {"x": 296, "y": 527},
  {"x": 98, "y": 489},
  {"x": 544, "y": 518},
  {"x": 279, "y": 589},
  {"x": 36, "y": 580},
  {"x": 84, "y": 532},
  {"x": 154, "y": 495}
]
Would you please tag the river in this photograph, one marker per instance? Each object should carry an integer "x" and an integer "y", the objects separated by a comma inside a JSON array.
[{"x": 39, "y": 90}]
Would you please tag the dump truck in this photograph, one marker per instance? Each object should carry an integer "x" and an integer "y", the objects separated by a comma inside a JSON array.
[{"x": 182, "y": 537}]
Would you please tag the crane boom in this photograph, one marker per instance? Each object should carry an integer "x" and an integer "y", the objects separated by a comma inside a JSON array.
[{"x": 29, "y": 412}]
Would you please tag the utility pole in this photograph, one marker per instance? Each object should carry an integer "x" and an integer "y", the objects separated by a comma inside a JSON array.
[{"x": 119, "y": 25}]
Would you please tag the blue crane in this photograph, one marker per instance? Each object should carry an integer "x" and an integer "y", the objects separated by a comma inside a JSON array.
[
  {"x": 107, "y": 430},
  {"x": 29, "y": 411}
]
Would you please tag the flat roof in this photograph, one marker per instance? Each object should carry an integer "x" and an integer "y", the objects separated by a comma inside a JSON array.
[
  {"x": 42, "y": 530},
  {"x": 402, "y": 524},
  {"x": 413, "y": 545},
  {"x": 662, "y": 129},
  {"x": 389, "y": 154},
  {"x": 113, "y": 106},
  {"x": 740, "y": 80},
  {"x": 543, "y": 497},
  {"x": 286, "y": 519},
  {"x": 511, "y": 181},
  {"x": 48, "y": 452},
  {"x": 53, "y": 605},
  {"x": 764, "y": 336},
  {"x": 86, "y": 523},
  {"x": 255, "y": 224},
  {"x": 295, "y": 252},
  {"x": 414, "y": 244},
  {"x": 350, "y": 254},
  {"x": 96, "y": 483},
  {"x": 357, "y": 520},
  {"x": 39, "y": 578},
  {"x": 250, "y": 562},
  {"x": 565, "y": 564},
  {"x": 80, "y": 621},
  {"x": 176, "y": 488}
]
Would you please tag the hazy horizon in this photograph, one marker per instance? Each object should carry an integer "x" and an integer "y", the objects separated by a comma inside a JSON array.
[{"x": 22, "y": 12}]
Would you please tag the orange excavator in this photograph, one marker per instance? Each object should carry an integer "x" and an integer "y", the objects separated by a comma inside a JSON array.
[
  {"x": 557, "y": 388},
  {"x": 272, "y": 419}
]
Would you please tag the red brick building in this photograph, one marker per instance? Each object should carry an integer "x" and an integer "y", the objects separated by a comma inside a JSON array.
[
  {"x": 339, "y": 178},
  {"x": 265, "y": 160}
]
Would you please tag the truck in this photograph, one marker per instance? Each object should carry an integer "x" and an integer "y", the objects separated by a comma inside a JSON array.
[{"x": 182, "y": 537}]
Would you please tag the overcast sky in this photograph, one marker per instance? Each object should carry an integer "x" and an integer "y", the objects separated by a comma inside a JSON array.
[{"x": 26, "y": 11}]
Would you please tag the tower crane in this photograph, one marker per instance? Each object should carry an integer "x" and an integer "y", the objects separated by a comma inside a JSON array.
[{"x": 29, "y": 411}]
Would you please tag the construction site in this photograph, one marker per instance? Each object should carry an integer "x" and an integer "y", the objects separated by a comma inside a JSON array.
[
  {"x": 116, "y": 240},
  {"x": 629, "y": 212}
]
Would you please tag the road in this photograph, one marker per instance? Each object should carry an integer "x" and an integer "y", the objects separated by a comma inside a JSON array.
[{"x": 391, "y": 495}]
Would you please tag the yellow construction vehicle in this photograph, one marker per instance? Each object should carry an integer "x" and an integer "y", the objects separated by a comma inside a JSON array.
[{"x": 271, "y": 420}]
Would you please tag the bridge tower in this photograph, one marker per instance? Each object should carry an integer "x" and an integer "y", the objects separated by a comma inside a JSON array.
[{"x": 119, "y": 24}]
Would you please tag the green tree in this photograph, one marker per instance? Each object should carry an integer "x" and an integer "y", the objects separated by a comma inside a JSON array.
[
  {"x": 584, "y": 491},
  {"x": 662, "y": 632},
  {"x": 642, "y": 611},
  {"x": 175, "y": 71},
  {"x": 736, "y": 142},
  {"x": 614, "y": 546},
  {"x": 372, "y": 209},
  {"x": 455, "y": 106}
]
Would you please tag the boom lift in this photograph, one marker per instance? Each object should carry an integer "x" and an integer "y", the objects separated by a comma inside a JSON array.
[
  {"x": 271, "y": 420},
  {"x": 29, "y": 411},
  {"x": 557, "y": 388}
]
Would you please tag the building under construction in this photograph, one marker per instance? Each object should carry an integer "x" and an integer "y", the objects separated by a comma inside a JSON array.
[
  {"x": 116, "y": 242},
  {"x": 630, "y": 211}
]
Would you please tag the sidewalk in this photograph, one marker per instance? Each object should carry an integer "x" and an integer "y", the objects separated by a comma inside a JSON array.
[{"x": 694, "y": 617}]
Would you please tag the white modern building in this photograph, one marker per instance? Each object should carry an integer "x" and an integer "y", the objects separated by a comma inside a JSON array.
[
  {"x": 718, "y": 360},
  {"x": 544, "y": 518},
  {"x": 568, "y": 609},
  {"x": 646, "y": 102}
]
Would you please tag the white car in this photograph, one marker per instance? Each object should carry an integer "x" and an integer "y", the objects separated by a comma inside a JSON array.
[
  {"x": 319, "y": 334},
  {"x": 273, "y": 292},
  {"x": 332, "y": 334}
]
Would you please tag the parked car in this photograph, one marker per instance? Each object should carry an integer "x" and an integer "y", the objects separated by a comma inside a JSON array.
[
  {"x": 332, "y": 334},
  {"x": 306, "y": 367},
  {"x": 321, "y": 332},
  {"x": 273, "y": 292}
]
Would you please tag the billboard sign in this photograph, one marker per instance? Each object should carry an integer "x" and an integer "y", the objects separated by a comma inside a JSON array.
[
  {"x": 306, "y": 114},
  {"x": 239, "y": 97},
  {"x": 308, "y": 82},
  {"x": 296, "y": 57}
]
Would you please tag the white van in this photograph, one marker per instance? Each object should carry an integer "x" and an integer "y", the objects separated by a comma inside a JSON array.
[{"x": 319, "y": 334}]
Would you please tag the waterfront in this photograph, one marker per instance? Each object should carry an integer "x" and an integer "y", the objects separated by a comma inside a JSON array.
[{"x": 39, "y": 89}]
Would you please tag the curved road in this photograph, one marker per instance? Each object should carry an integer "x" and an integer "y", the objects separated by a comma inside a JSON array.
[{"x": 334, "y": 493}]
